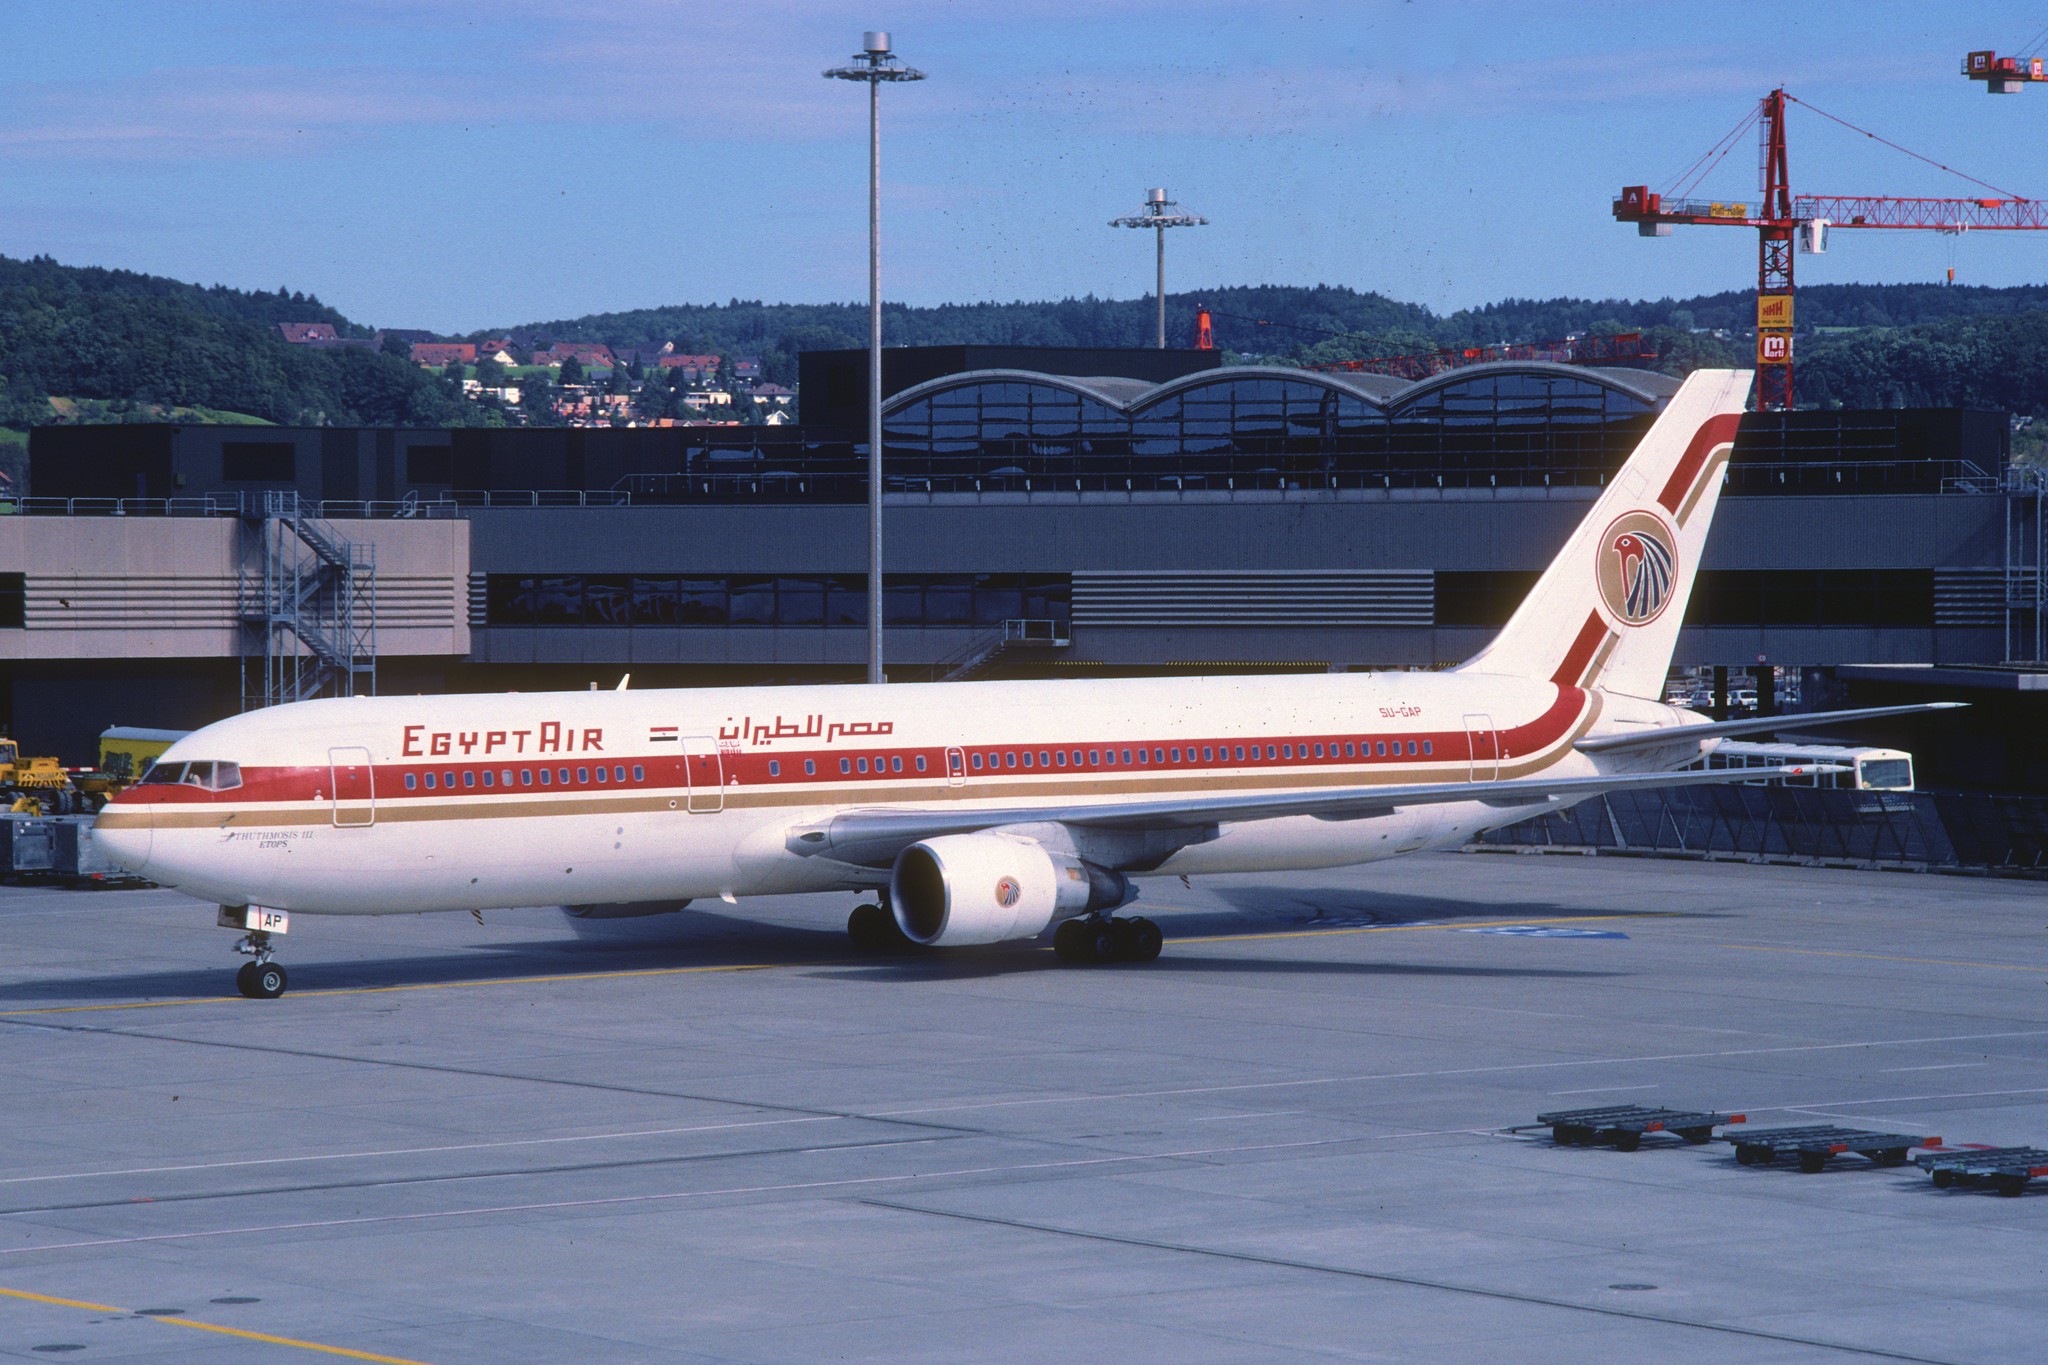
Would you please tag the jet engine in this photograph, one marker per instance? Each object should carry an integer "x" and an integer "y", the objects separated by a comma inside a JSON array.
[{"x": 988, "y": 887}]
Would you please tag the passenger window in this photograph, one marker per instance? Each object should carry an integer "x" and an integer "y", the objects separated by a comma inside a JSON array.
[
  {"x": 1044, "y": 759},
  {"x": 601, "y": 776},
  {"x": 1287, "y": 751},
  {"x": 1077, "y": 758},
  {"x": 546, "y": 777},
  {"x": 1174, "y": 754},
  {"x": 640, "y": 773},
  {"x": 896, "y": 764},
  {"x": 1010, "y": 760},
  {"x": 489, "y": 777},
  {"x": 1159, "y": 755},
  {"x": 1348, "y": 751},
  {"x": 1127, "y": 756},
  {"x": 1319, "y": 751},
  {"x": 412, "y": 781},
  {"x": 976, "y": 760},
  {"x": 1269, "y": 751},
  {"x": 1061, "y": 758},
  {"x": 1426, "y": 746},
  {"x": 1208, "y": 754},
  {"x": 861, "y": 763},
  {"x": 1094, "y": 757},
  {"x": 774, "y": 768},
  {"x": 1382, "y": 749},
  {"x": 469, "y": 777},
  {"x": 448, "y": 779},
  {"x": 1027, "y": 758},
  {"x": 810, "y": 769},
  {"x": 1411, "y": 748},
  {"x": 562, "y": 776},
  {"x": 526, "y": 777},
  {"x": 1240, "y": 753},
  {"x": 845, "y": 765},
  {"x": 430, "y": 781},
  {"x": 920, "y": 762},
  {"x": 582, "y": 777}
]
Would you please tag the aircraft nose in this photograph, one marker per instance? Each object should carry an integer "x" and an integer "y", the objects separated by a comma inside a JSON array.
[{"x": 123, "y": 835}]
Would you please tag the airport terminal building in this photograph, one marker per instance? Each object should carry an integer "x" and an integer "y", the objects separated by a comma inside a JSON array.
[{"x": 1053, "y": 512}]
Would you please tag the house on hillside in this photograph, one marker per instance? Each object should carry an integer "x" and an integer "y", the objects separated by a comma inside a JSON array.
[
  {"x": 771, "y": 395},
  {"x": 697, "y": 369},
  {"x": 434, "y": 354},
  {"x": 591, "y": 355},
  {"x": 746, "y": 368},
  {"x": 299, "y": 333},
  {"x": 496, "y": 351}
]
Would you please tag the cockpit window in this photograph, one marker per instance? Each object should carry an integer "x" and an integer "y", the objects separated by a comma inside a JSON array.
[{"x": 205, "y": 774}]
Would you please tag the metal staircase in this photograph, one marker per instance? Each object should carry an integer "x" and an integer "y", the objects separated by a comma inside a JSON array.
[
  {"x": 983, "y": 651},
  {"x": 2026, "y": 585},
  {"x": 309, "y": 613}
]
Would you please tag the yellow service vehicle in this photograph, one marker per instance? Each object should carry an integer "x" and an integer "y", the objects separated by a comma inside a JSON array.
[
  {"x": 36, "y": 786},
  {"x": 126, "y": 751}
]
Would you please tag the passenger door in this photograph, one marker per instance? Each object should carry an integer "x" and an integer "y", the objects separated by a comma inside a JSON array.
[
  {"x": 1484, "y": 744},
  {"x": 704, "y": 774},
  {"x": 354, "y": 788}
]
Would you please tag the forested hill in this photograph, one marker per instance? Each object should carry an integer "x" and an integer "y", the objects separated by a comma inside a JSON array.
[
  {"x": 141, "y": 346},
  {"x": 1279, "y": 321}
]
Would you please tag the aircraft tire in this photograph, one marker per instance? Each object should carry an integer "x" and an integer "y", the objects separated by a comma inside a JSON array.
[
  {"x": 261, "y": 980},
  {"x": 1070, "y": 942},
  {"x": 1145, "y": 940},
  {"x": 870, "y": 927},
  {"x": 1107, "y": 942}
]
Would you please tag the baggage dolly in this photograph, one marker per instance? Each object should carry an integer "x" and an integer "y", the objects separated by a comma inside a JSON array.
[
  {"x": 2005, "y": 1169},
  {"x": 1815, "y": 1146},
  {"x": 1622, "y": 1126}
]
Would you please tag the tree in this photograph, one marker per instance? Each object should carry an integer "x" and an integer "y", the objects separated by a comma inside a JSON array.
[{"x": 571, "y": 372}]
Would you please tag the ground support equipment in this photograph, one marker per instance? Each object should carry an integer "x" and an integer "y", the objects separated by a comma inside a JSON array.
[
  {"x": 2004, "y": 1169},
  {"x": 1622, "y": 1126},
  {"x": 1817, "y": 1145}
]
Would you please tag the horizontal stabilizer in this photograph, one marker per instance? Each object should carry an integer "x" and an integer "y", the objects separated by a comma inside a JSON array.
[
  {"x": 873, "y": 838},
  {"x": 1750, "y": 725}
]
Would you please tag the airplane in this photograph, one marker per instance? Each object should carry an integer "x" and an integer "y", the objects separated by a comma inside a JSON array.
[{"x": 962, "y": 813}]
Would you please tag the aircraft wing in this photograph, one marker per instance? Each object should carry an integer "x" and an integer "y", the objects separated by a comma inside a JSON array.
[
  {"x": 1750, "y": 725},
  {"x": 871, "y": 838}
]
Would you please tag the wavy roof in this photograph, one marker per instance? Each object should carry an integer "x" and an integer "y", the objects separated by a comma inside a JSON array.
[{"x": 1132, "y": 396}]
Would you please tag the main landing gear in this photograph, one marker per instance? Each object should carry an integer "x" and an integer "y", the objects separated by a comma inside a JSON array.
[
  {"x": 873, "y": 929},
  {"x": 262, "y": 979},
  {"x": 1097, "y": 940}
]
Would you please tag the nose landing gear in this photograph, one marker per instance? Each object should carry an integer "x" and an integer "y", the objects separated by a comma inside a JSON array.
[{"x": 262, "y": 979}]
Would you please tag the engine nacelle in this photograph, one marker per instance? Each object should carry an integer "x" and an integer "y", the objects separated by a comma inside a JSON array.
[{"x": 989, "y": 887}]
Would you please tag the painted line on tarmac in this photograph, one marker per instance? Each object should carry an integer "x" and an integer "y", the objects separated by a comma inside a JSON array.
[
  {"x": 675, "y": 1196},
  {"x": 1433, "y": 924},
  {"x": 423, "y": 1151},
  {"x": 1408, "y": 1281},
  {"x": 1355, "y": 1078},
  {"x": 739, "y": 967},
  {"x": 436, "y": 986},
  {"x": 265, "y": 1337},
  {"x": 1889, "y": 957}
]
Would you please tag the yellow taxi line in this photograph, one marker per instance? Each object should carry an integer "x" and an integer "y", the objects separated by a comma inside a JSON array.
[
  {"x": 772, "y": 966},
  {"x": 1888, "y": 957},
  {"x": 264, "y": 1337},
  {"x": 1410, "y": 928}
]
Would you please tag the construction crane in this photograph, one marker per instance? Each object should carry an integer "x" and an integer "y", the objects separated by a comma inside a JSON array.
[
  {"x": 2002, "y": 75},
  {"x": 1781, "y": 219}
]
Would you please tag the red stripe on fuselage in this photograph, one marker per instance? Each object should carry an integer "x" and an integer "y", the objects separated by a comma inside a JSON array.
[
  {"x": 1715, "y": 432},
  {"x": 1581, "y": 653},
  {"x": 664, "y": 773}
]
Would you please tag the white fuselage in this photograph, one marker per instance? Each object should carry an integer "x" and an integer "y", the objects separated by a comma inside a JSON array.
[{"x": 405, "y": 804}]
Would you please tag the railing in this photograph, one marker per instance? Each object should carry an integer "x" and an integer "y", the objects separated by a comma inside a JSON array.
[
  {"x": 978, "y": 653},
  {"x": 1864, "y": 828}
]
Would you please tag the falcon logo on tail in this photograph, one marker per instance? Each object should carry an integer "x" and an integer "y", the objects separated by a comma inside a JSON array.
[{"x": 1637, "y": 567}]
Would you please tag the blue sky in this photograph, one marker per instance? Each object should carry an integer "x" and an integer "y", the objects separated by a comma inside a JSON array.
[{"x": 491, "y": 162}]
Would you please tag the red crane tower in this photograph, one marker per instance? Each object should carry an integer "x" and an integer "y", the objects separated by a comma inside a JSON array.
[{"x": 1783, "y": 218}]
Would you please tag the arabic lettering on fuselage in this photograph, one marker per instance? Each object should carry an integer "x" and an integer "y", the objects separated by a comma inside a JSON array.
[{"x": 748, "y": 730}]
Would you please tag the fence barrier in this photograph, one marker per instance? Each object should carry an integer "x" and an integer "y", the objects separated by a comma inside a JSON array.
[{"x": 1926, "y": 830}]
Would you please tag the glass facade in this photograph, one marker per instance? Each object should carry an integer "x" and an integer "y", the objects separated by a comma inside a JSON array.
[
  {"x": 964, "y": 600},
  {"x": 1274, "y": 430},
  {"x": 1729, "y": 597}
]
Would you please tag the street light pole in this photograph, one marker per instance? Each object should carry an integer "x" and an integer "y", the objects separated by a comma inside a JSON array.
[
  {"x": 1159, "y": 217},
  {"x": 876, "y": 64}
]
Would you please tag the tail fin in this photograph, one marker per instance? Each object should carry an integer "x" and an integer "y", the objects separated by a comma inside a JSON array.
[{"x": 1607, "y": 610}]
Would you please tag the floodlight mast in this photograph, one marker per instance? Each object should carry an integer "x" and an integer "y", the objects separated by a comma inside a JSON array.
[
  {"x": 875, "y": 63},
  {"x": 1159, "y": 217}
]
